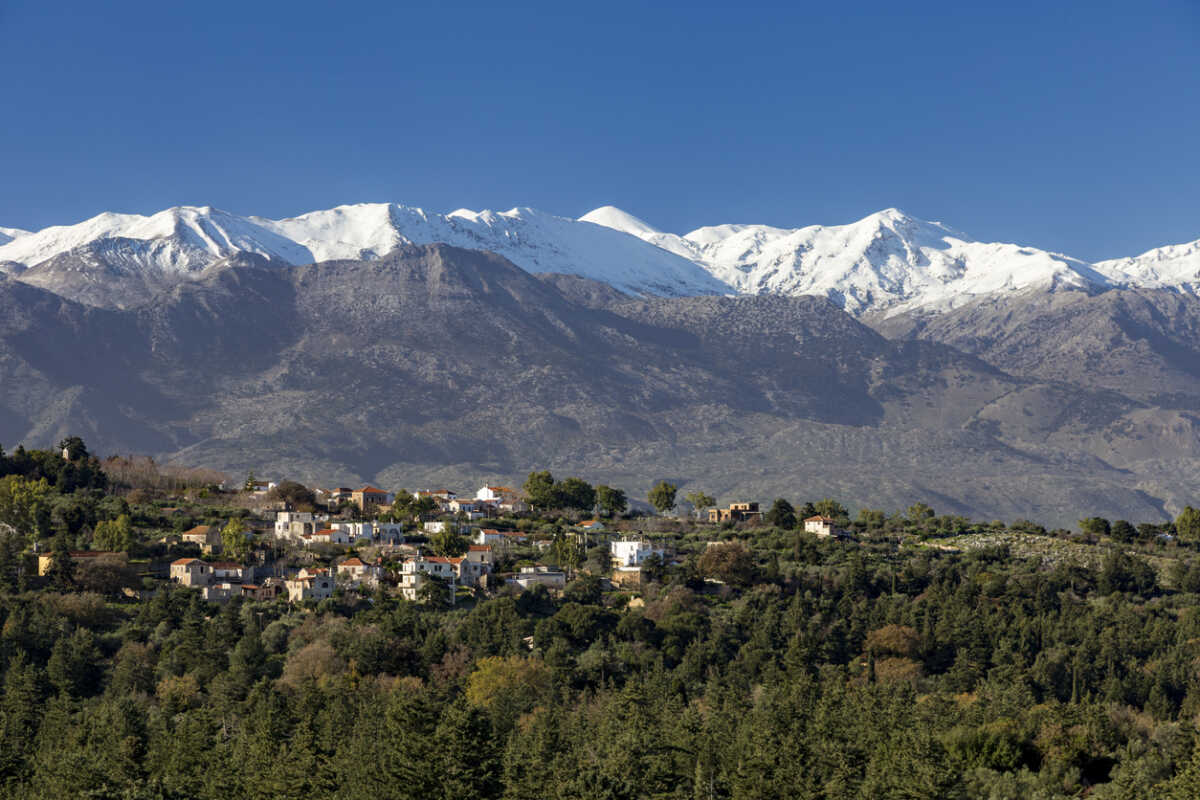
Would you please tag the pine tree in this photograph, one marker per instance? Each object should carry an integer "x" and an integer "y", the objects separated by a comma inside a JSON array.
[{"x": 20, "y": 714}]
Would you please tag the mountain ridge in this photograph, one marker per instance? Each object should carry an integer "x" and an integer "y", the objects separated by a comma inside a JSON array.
[{"x": 887, "y": 263}]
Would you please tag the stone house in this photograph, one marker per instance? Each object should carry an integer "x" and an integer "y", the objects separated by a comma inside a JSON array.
[
  {"x": 206, "y": 536},
  {"x": 737, "y": 512},
  {"x": 191, "y": 572}
]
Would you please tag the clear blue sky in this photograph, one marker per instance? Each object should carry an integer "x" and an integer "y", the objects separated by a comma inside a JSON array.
[{"x": 1071, "y": 125}]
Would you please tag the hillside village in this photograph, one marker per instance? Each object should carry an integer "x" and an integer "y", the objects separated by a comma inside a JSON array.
[
  {"x": 266, "y": 540},
  {"x": 428, "y": 545},
  {"x": 436, "y": 546}
]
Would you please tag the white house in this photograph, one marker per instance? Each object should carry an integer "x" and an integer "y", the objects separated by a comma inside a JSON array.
[
  {"x": 821, "y": 526},
  {"x": 415, "y": 571},
  {"x": 472, "y": 509},
  {"x": 375, "y": 531},
  {"x": 531, "y": 576},
  {"x": 439, "y": 496},
  {"x": 495, "y": 494},
  {"x": 294, "y": 524},
  {"x": 327, "y": 536},
  {"x": 632, "y": 552}
]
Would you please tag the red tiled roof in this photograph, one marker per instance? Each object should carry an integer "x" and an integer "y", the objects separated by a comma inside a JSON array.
[
  {"x": 353, "y": 562},
  {"x": 181, "y": 561},
  {"x": 481, "y": 547},
  {"x": 819, "y": 518},
  {"x": 371, "y": 490}
]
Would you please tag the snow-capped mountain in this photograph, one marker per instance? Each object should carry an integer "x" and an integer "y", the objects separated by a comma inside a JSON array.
[
  {"x": 184, "y": 239},
  {"x": 533, "y": 240},
  {"x": 886, "y": 261},
  {"x": 1175, "y": 266},
  {"x": 150, "y": 253}
]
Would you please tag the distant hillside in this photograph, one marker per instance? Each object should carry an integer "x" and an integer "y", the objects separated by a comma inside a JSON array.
[{"x": 440, "y": 365}]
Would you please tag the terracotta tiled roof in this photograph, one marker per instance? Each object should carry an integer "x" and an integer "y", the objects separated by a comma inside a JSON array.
[
  {"x": 179, "y": 562},
  {"x": 819, "y": 518},
  {"x": 353, "y": 562}
]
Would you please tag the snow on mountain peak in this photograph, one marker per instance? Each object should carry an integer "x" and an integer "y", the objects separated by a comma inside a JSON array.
[
  {"x": 615, "y": 218},
  {"x": 531, "y": 239},
  {"x": 1176, "y": 265},
  {"x": 183, "y": 238},
  {"x": 8, "y": 234},
  {"x": 888, "y": 261},
  {"x": 362, "y": 230}
]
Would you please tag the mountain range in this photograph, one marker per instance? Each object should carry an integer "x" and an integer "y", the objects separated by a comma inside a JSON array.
[
  {"x": 887, "y": 263},
  {"x": 883, "y": 362}
]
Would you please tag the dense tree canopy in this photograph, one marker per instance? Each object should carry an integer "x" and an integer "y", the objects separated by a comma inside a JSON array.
[{"x": 923, "y": 657}]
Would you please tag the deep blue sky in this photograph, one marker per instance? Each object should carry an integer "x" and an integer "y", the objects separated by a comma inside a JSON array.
[{"x": 1073, "y": 126}]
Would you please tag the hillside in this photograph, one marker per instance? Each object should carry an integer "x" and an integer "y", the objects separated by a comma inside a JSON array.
[{"x": 435, "y": 364}]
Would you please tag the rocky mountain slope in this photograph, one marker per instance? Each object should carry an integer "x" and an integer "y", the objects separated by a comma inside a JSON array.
[
  {"x": 435, "y": 364},
  {"x": 1142, "y": 345}
]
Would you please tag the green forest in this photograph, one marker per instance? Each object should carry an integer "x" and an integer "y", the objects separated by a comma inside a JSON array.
[{"x": 921, "y": 657}]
